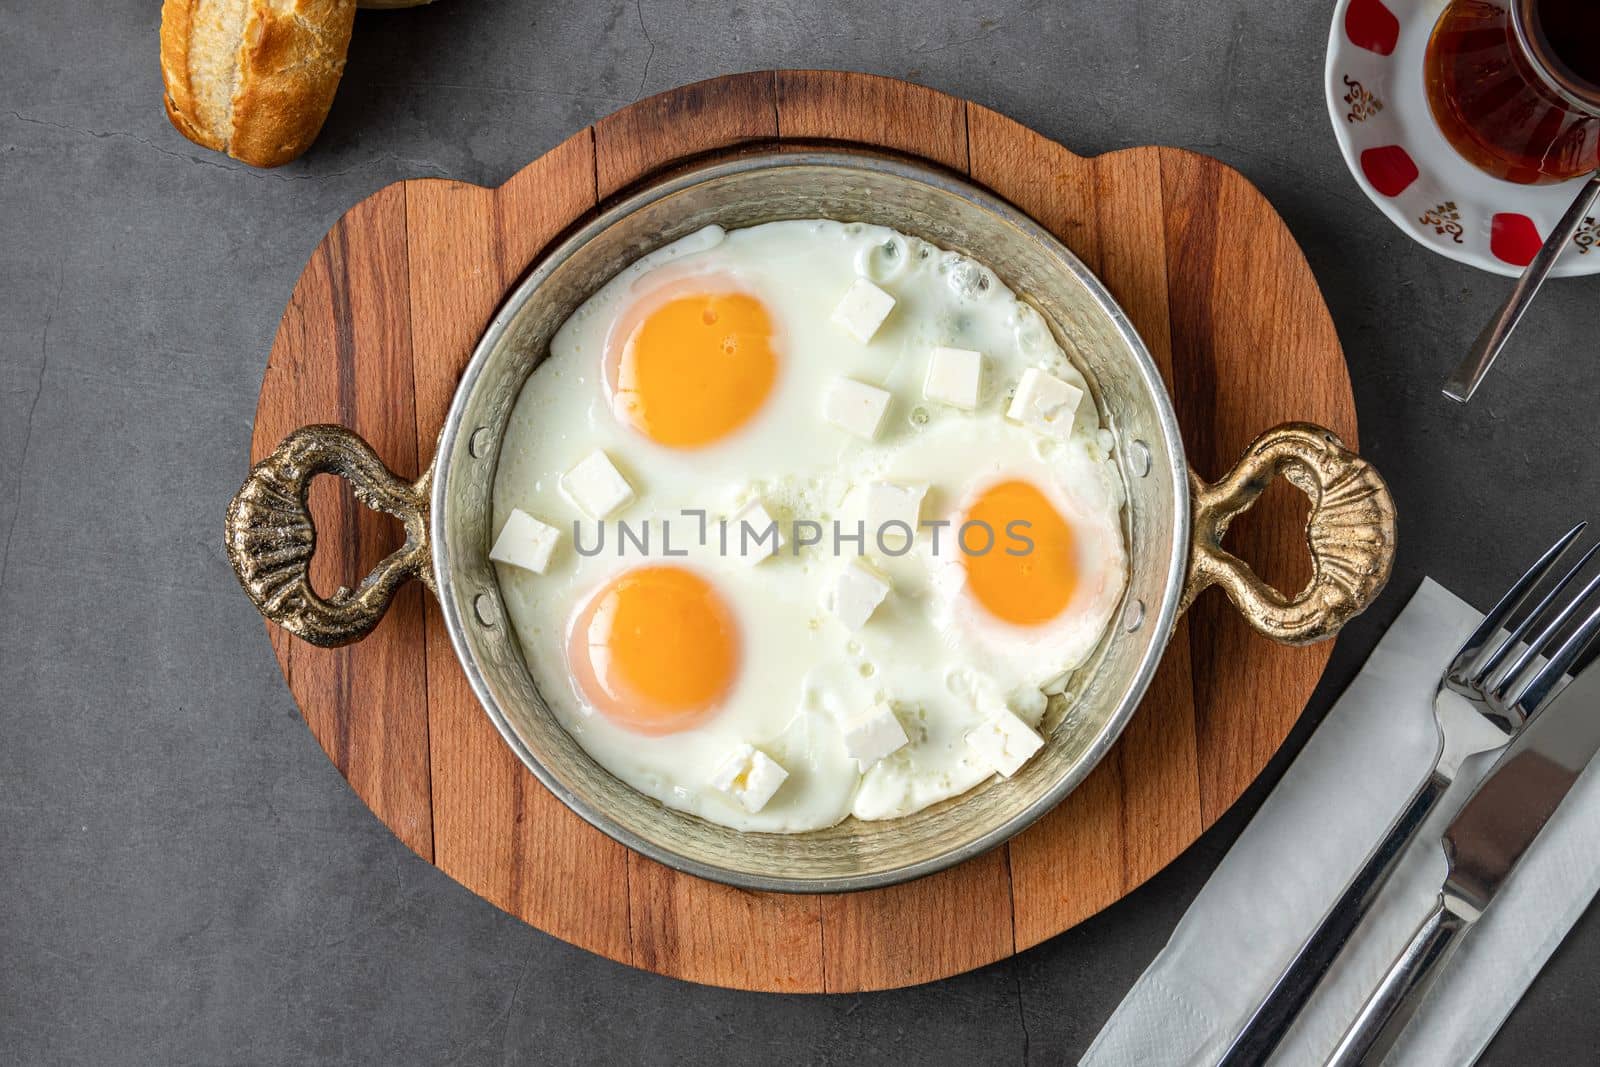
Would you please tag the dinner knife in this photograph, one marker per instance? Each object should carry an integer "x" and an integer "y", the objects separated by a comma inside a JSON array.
[{"x": 1483, "y": 844}]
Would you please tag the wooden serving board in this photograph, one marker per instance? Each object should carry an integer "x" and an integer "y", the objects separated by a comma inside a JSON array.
[{"x": 382, "y": 322}]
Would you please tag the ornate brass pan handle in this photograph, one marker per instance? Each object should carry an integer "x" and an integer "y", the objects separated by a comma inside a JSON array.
[
  {"x": 1350, "y": 532},
  {"x": 271, "y": 538}
]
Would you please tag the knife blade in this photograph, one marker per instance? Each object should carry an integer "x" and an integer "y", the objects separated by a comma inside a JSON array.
[{"x": 1489, "y": 836}]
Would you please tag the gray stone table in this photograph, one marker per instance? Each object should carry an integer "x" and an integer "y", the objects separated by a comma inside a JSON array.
[{"x": 184, "y": 878}]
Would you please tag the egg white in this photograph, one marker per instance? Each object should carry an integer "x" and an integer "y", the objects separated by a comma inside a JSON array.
[{"x": 929, "y": 650}]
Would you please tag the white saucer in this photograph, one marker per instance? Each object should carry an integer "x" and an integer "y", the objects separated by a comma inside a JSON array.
[{"x": 1376, "y": 99}]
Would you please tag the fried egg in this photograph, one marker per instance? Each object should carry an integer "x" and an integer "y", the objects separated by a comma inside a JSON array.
[{"x": 744, "y": 636}]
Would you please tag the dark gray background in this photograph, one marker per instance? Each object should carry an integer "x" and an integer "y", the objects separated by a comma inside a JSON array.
[{"x": 184, "y": 878}]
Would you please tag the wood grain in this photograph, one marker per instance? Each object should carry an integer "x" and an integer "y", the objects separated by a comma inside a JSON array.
[
  {"x": 343, "y": 354},
  {"x": 718, "y": 935},
  {"x": 686, "y": 122},
  {"x": 386, "y": 315},
  {"x": 864, "y": 108},
  {"x": 498, "y": 831},
  {"x": 1086, "y": 853},
  {"x": 1244, "y": 307},
  {"x": 943, "y": 924}
]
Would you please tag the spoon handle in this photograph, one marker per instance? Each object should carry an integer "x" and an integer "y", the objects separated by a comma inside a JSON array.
[{"x": 1464, "y": 382}]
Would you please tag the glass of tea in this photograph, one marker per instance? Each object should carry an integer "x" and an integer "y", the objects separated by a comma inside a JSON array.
[{"x": 1515, "y": 86}]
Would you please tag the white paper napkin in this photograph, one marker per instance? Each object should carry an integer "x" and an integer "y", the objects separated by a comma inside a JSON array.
[{"x": 1316, "y": 828}]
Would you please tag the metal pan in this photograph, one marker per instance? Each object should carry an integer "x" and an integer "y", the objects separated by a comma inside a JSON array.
[{"x": 1174, "y": 520}]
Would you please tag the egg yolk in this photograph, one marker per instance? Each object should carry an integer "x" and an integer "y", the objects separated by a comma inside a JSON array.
[
  {"x": 1021, "y": 585},
  {"x": 692, "y": 369},
  {"x": 655, "y": 650}
]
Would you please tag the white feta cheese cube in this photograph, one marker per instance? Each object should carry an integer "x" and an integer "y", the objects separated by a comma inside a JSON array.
[
  {"x": 525, "y": 542},
  {"x": 857, "y": 592},
  {"x": 753, "y": 535},
  {"x": 863, "y": 309},
  {"x": 730, "y": 771},
  {"x": 1045, "y": 403},
  {"x": 761, "y": 781},
  {"x": 749, "y": 776},
  {"x": 855, "y": 406},
  {"x": 893, "y": 502},
  {"x": 955, "y": 377},
  {"x": 596, "y": 487},
  {"x": 874, "y": 735},
  {"x": 1005, "y": 742}
]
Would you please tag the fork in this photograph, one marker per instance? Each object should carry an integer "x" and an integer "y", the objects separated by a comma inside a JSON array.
[{"x": 1482, "y": 703}]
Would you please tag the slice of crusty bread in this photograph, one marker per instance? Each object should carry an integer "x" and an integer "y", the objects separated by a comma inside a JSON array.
[{"x": 253, "y": 78}]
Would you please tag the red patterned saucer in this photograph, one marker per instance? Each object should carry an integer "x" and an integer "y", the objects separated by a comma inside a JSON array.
[{"x": 1386, "y": 131}]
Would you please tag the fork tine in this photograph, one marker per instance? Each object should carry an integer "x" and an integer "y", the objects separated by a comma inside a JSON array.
[
  {"x": 1513, "y": 686},
  {"x": 1509, "y": 603},
  {"x": 1542, "y": 687},
  {"x": 1509, "y": 645}
]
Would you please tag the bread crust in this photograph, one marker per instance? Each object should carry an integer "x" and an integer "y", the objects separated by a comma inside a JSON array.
[
  {"x": 288, "y": 62},
  {"x": 177, "y": 24}
]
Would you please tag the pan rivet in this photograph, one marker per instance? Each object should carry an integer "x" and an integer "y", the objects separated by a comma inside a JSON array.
[
  {"x": 1133, "y": 616},
  {"x": 483, "y": 608},
  {"x": 478, "y": 443},
  {"x": 1139, "y": 458}
]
